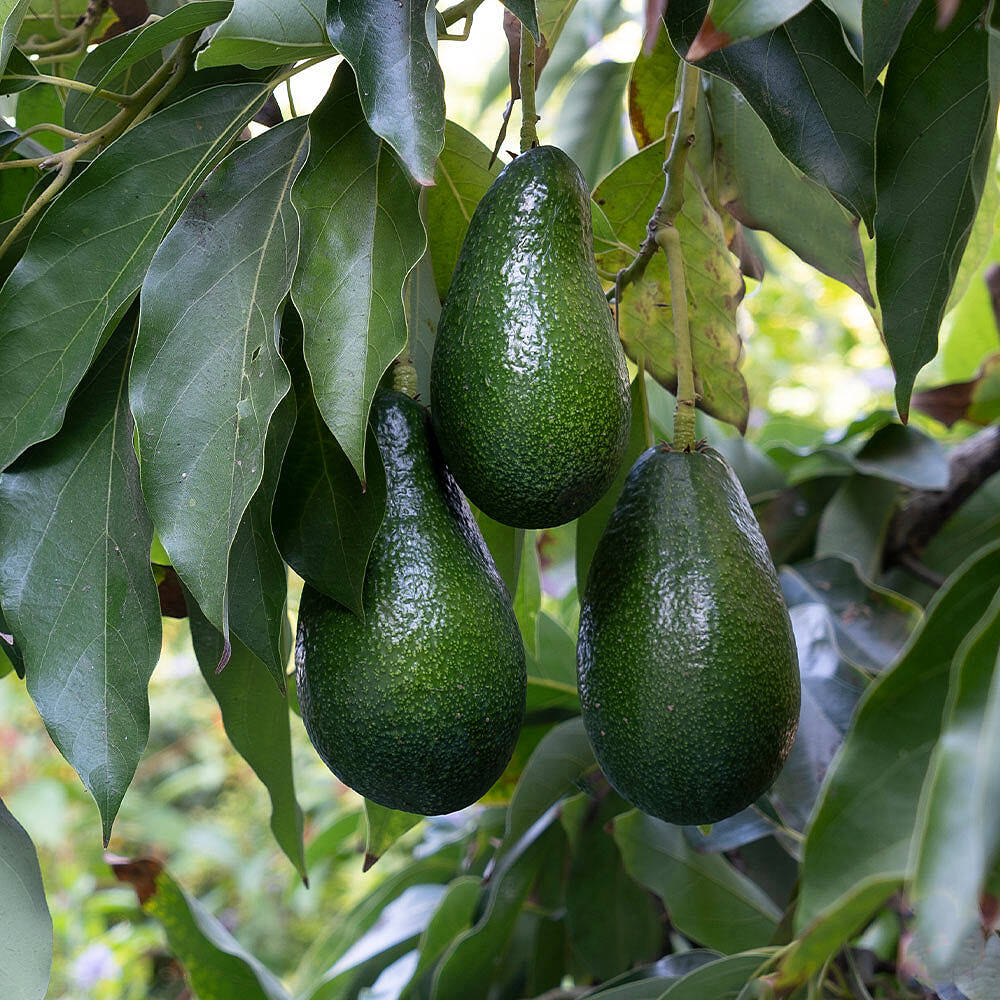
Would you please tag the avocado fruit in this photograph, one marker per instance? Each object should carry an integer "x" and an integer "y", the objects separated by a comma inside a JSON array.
[
  {"x": 687, "y": 668},
  {"x": 418, "y": 705},
  {"x": 529, "y": 387}
]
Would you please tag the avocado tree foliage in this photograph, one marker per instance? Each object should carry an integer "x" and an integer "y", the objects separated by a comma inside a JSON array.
[{"x": 201, "y": 295}]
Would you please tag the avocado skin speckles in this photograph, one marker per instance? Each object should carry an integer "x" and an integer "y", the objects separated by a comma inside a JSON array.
[
  {"x": 417, "y": 707},
  {"x": 687, "y": 666},
  {"x": 529, "y": 387}
]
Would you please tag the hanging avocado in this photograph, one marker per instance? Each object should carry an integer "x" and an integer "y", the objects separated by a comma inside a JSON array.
[
  {"x": 418, "y": 706},
  {"x": 529, "y": 388},
  {"x": 687, "y": 667}
]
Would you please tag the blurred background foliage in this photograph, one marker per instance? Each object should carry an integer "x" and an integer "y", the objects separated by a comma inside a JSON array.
[{"x": 813, "y": 362}]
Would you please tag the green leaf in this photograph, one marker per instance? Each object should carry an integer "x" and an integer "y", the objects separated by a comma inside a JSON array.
[
  {"x": 324, "y": 522},
  {"x": 863, "y": 823},
  {"x": 935, "y": 131},
  {"x": 651, "y": 90},
  {"x": 18, "y": 65},
  {"x": 11, "y": 13},
  {"x": 453, "y": 916},
  {"x": 729, "y": 21},
  {"x": 807, "y": 88},
  {"x": 524, "y": 11},
  {"x": 528, "y": 597},
  {"x": 258, "y": 578},
  {"x": 383, "y": 827},
  {"x": 51, "y": 322},
  {"x": 259, "y": 34},
  {"x": 871, "y": 624},
  {"x": 831, "y": 929},
  {"x": 506, "y": 545},
  {"x": 590, "y": 126},
  {"x": 106, "y": 66},
  {"x": 76, "y": 585},
  {"x": 10, "y": 652},
  {"x": 85, "y": 112},
  {"x": 216, "y": 964},
  {"x": 552, "y": 18},
  {"x": 628, "y": 197},
  {"x": 591, "y": 525},
  {"x": 708, "y": 899},
  {"x": 422, "y": 305},
  {"x": 477, "y": 956},
  {"x": 957, "y": 835},
  {"x": 255, "y": 716},
  {"x": 882, "y": 28},
  {"x": 361, "y": 237},
  {"x": 207, "y": 374},
  {"x": 611, "y": 921},
  {"x": 552, "y": 672},
  {"x": 399, "y": 79},
  {"x": 25, "y": 924},
  {"x": 461, "y": 178},
  {"x": 855, "y": 522},
  {"x": 722, "y": 979},
  {"x": 763, "y": 190}
]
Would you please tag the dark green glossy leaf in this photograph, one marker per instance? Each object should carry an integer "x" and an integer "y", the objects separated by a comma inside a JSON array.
[
  {"x": 25, "y": 924},
  {"x": 51, "y": 323},
  {"x": 590, "y": 526},
  {"x": 259, "y": 34},
  {"x": 957, "y": 837},
  {"x": 454, "y": 915},
  {"x": 722, "y": 979},
  {"x": 215, "y": 962},
  {"x": 552, "y": 672},
  {"x": 729, "y": 21},
  {"x": 590, "y": 126},
  {"x": 76, "y": 584},
  {"x": 361, "y": 237},
  {"x": 255, "y": 715},
  {"x": 383, "y": 827},
  {"x": 708, "y": 899},
  {"x": 325, "y": 524},
  {"x": 506, "y": 545},
  {"x": 647, "y": 982},
  {"x": 258, "y": 578},
  {"x": 807, "y": 88},
  {"x": 612, "y": 921},
  {"x": 628, "y": 197},
  {"x": 478, "y": 954},
  {"x": 651, "y": 90},
  {"x": 765, "y": 191},
  {"x": 935, "y": 131},
  {"x": 18, "y": 75},
  {"x": 461, "y": 178},
  {"x": 856, "y": 520},
  {"x": 871, "y": 624},
  {"x": 207, "y": 375},
  {"x": 882, "y": 28},
  {"x": 106, "y": 67},
  {"x": 863, "y": 824},
  {"x": 11, "y": 13},
  {"x": 528, "y": 596},
  {"x": 10, "y": 652},
  {"x": 399, "y": 79},
  {"x": 85, "y": 112}
]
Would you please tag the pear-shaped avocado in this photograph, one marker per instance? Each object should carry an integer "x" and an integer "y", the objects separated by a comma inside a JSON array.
[
  {"x": 418, "y": 706},
  {"x": 529, "y": 389},
  {"x": 688, "y": 674}
]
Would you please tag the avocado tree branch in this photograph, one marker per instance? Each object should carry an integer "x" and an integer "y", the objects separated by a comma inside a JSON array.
[
  {"x": 971, "y": 463},
  {"x": 672, "y": 199}
]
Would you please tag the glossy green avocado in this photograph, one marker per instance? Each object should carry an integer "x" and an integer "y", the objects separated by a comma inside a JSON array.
[
  {"x": 418, "y": 706},
  {"x": 687, "y": 667},
  {"x": 529, "y": 388}
]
